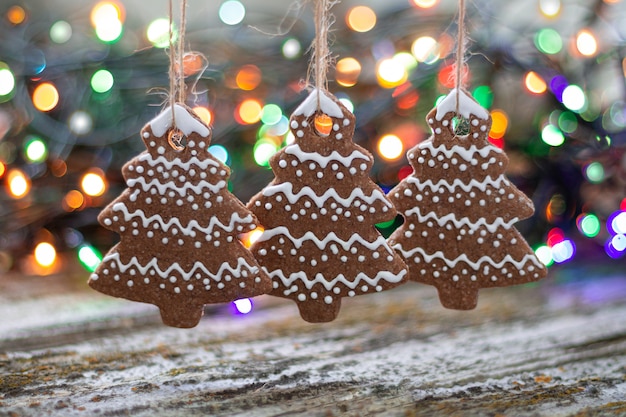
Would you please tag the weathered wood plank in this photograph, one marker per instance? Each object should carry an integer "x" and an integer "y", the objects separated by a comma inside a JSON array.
[{"x": 541, "y": 350}]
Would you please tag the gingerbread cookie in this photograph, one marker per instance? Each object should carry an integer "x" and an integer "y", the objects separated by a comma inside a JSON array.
[
  {"x": 320, "y": 243},
  {"x": 459, "y": 211},
  {"x": 178, "y": 225}
]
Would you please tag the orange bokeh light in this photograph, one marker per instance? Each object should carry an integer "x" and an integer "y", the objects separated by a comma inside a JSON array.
[
  {"x": 204, "y": 114},
  {"x": 447, "y": 76},
  {"x": 347, "y": 71},
  {"x": 425, "y": 4},
  {"x": 248, "y": 77},
  {"x": 45, "y": 97},
  {"x": 73, "y": 200},
  {"x": 361, "y": 19},
  {"x": 106, "y": 11},
  {"x": 500, "y": 122},
  {"x": 16, "y": 15},
  {"x": 18, "y": 184},
  {"x": 2, "y": 169},
  {"x": 193, "y": 63}
]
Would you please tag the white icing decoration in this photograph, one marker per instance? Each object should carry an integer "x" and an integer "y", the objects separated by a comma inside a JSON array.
[
  {"x": 181, "y": 189},
  {"x": 467, "y": 106},
  {"x": 287, "y": 189},
  {"x": 464, "y": 221},
  {"x": 184, "y": 121},
  {"x": 201, "y": 164},
  {"x": 467, "y": 154},
  {"x": 327, "y": 105},
  {"x": 322, "y": 160},
  {"x": 380, "y": 241},
  {"x": 501, "y": 181},
  {"x": 330, "y": 284}
]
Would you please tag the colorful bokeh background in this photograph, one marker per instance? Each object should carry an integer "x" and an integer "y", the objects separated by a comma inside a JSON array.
[{"x": 78, "y": 80}]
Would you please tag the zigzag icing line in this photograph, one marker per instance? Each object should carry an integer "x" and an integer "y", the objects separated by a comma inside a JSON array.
[
  {"x": 186, "y": 230},
  {"x": 451, "y": 217},
  {"x": 463, "y": 257},
  {"x": 465, "y": 153},
  {"x": 322, "y": 243},
  {"x": 458, "y": 183},
  {"x": 171, "y": 185},
  {"x": 203, "y": 164},
  {"x": 322, "y": 160},
  {"x": 197, "y": 267},
  {"x": 329, "y": 285},
  {"x": 287, "y": 189}
]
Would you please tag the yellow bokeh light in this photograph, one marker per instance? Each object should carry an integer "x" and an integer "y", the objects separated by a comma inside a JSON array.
[
  {"x": 18, "y": 183},
  {"x": 105, "y": 12},
  {"x": 425, "y": 4},
  {"x": 45, "y": 97},
  {"x": 426, "y": 49},
  {"x": 249, "y": 111},
  {"x": 534, "y": 83},
  {"x": 391, "y": 73},
  {"x": 2, "y": 169},
  {"x": 348, "y": 71},
  {"x": 550, "y": 8},
  {"x": 499, "y": 124},
  {"x": 249, "y": 238},
  {"x": 390, "y": 147},
  {"x": 248, "y": 77},
  {"x": 586, "y": 43},
  {"x": 93, "y": 183},
  {"x": 16, "y": 15},
  {"x": 361, "y": 19},
  {"x": 73, "y": 200},
  {"x": 45, "y": 254},
  {"x": 204, "y": 114}
]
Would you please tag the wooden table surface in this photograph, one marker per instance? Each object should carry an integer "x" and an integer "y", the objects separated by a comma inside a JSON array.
[{"x": 553, "y": 349}]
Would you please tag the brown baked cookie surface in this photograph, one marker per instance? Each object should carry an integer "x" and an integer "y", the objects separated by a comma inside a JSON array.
[
  {"x": 320, "y": 242},
  {"x": 178, "y": 225},
  {"x": 459, "y": 211}
]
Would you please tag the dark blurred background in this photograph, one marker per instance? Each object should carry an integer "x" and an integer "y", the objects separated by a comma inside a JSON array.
[{"x": 78, "y": 80}]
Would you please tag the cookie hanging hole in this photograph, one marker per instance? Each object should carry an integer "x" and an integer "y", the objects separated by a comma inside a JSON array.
[
  {"x": 177, "y": 140},
  {"x": 323, "y": 124},
  {"x": 460, "y": 126}
]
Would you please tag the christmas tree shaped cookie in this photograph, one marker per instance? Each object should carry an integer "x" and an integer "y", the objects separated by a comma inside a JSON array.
[
  {"x": 320, "y": 243},
  {"x": 178, "y": 225},
  {"x": 459, "y": 211}
]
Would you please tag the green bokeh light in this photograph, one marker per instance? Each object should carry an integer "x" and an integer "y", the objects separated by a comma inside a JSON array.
[
  {"x": 102, "y": 81},
  {"x": 552, "y": 135},
  {"x": 35, "y": 149},
  {"x": 89, "y": 257},
  {"x": 264, "y": 149},
  {"x": 548, "y": 41},
  {"x": 590, "y": 225},
  {"x": 483, "y": 95},
  {"x": 271, "y": 114},
  {"x": 595, "y": 172},
  {"x": 567, "y": 122}
]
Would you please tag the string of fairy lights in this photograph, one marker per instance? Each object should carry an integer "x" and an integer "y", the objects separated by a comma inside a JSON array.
[{"x": 74, "y": 92}]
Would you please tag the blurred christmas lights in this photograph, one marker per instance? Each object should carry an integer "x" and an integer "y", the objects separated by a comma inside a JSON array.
[
  {"x": 232, "y": 12},
  {"x": 361, "y": 19}
]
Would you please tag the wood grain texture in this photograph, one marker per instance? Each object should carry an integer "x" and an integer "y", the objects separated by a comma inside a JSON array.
[{"x": 528, "y": 351}]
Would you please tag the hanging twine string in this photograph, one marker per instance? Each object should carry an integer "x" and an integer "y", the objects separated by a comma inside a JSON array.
[
  {"x": 321, "y": 53},
  {"x": 460, "y": 53},
  {"x": 176, "y": 53}
]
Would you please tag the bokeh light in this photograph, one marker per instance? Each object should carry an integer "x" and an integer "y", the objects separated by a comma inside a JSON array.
[
  {"x": 73, "y": 200},
  {"x": 544, "y": 254},
  {"x": 264, "y": 149},
  {"x": 291, "y": 48},
  {"x": 588, "y": 224},
  {"x": 347, "y": 71},
  {"x": 2, "y": 169},
  {"x": 390, "y": 73},
  {"x": 548, "y": 41},
  {"x": 563, "y": 251},
  {"x": 102, "y": 81},
  {"x": 567, "y": 122},
  {"x": 271, "y": 114},
  {"x": 249, "y": 238},
  {"x": 390, "y": 147},
  {"x": 361, "y": 19},
  {"x": 80, "y": 122},
  {"x": 499, "y": 125},
  {"x": 158, "y": 33},
  {"x": 7, "y": 80},
  {"x": 93, "y": 183},
  {"x": 18, "y": 184},
  {"x": 220, "y": 153},
  {"x": 594, "y": 172},
  {"x": 35, "y": 149},
  {"x": 483, "y": 95},
  {"x": 425, "y": 4},
  {"x": 204, "y": 114},
  {"x": 45, "y": 97},
  {"x": 248, "y": 111},
  {"x": 574, "y": 98},
  {"x": 107, "y": 20},
  {"x": 89, "y": 257},
  {"x": 232, "y": 12},
  {"x": 110, "y": 32},
  {"x": 586, "y": 43},
  {"x": 534, "y": 83},
  {"x": 16, "y": 15},
  {"x": 60, "y": 31},
  {"x": 45, "y": 254},
  {"x": 243, "y": 306},
  {"x": 550, "y": 8},
  {"x": 426, "y": 49},
  {"x": 552, "y": 136},
  {"x": 248, "y": 77}
]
